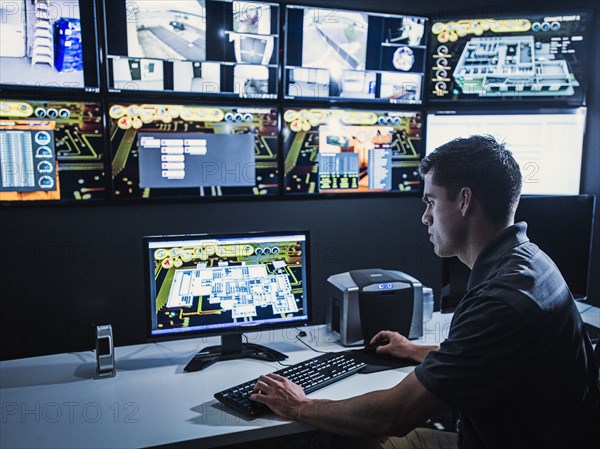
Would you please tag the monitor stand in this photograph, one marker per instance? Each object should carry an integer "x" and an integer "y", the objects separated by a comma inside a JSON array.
[{"x": 232, "y": 348}]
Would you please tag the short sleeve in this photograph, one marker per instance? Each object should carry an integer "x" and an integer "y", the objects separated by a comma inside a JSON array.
[{"x": 479, "y": 362}]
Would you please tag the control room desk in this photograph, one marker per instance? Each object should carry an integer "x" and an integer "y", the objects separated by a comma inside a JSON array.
[{"x": 55, "y": 402}]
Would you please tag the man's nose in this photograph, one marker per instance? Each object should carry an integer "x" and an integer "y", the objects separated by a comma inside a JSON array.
[{"x": 426, "y": 218}]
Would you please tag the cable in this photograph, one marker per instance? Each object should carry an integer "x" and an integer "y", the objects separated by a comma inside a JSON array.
[{"x": 309, "y": 346}]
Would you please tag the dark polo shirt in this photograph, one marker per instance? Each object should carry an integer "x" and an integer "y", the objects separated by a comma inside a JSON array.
[{"x": 516, "y": 364}]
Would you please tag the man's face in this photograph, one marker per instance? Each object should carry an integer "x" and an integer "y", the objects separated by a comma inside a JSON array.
[{"x": 443, "y": 219}]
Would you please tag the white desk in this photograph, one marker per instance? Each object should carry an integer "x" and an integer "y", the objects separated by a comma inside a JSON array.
[{"x": 55, "y": 402}]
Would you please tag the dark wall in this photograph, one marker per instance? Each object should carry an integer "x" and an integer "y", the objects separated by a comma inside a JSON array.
[{"x": 64, "y": 268}]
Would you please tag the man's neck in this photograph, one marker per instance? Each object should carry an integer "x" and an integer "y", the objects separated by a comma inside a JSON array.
[{"x": 478, "y": 237}]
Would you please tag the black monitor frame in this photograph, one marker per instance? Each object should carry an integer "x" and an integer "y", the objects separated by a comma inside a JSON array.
[
  {"x": 531, "y": 168},
  {"x": 270, "y": 188},
  {"x": 290, "y": 59},
  {"x": 117, "y": 16},
  {"x": 291, "y": 173},
  {"x": 548, "y": 217},
  {"x": 439, "y": 99},
  {"x": 88, "y": 13},
  {"x": 92, "y": 187},
  {"x": 232, "y": 346}
]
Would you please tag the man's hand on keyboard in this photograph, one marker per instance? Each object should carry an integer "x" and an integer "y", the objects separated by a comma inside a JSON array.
[{"x": 279, "y": 394}]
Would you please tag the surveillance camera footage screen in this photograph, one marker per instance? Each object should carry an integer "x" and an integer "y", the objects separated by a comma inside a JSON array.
[
  {"x": 48, "y": 45},
  {"x": 332, "y": 54},
  {"x": 51, "y": 151},
  {"x": 171, "y": 151},
  {"x": 210, "y": 47},
  {"x": 341, "y": 151},
  {"x": 521, "y": 58}
]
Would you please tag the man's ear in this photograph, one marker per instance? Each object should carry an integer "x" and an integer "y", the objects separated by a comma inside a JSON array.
[{"x": 465, "y": 201}]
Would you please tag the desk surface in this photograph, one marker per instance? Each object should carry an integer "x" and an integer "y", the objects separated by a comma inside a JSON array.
[{"x": 55, "y": 402}]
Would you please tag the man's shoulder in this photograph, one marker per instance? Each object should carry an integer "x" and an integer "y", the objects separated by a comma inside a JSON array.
[{"x": 526, "y": 280}]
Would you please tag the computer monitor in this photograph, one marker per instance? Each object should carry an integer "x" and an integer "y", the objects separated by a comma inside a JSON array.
[
  {"x": 546, "y": 143},
  {"x": 226, "y": 285},
  {"x": 162, "y": 151},
  {"x": 48, "y": 45},
  {"x": 209, "y": 47},
  {"x": 51, "y": 151},
  {"x": 525, "y": 57},
  {"x": 345, "y": 151},
  {"x": 340, "y": 55},
  {"x": 560, "y": 225}
]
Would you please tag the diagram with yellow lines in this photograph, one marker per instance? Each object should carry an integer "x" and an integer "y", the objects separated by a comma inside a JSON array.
[
  {"x": 167, "y": 151},
  {"x": 347, "y": 151},
  {"x": 51, "y": 150},
  {"x": 221, "y": 284},
  {"x": 239, "y": 289}
]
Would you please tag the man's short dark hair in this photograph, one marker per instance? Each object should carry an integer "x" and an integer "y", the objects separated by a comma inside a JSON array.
[{"x": 483, "y": 164}]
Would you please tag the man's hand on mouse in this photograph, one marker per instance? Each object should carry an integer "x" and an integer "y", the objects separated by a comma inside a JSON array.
[{"x": 398, "y": 346}]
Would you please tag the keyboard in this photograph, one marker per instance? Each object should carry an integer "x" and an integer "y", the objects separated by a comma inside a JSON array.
[{"x": 311, "y": 375}]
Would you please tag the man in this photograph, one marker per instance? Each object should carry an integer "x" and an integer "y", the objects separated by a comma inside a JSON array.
[{"x": 516, "y": 364}]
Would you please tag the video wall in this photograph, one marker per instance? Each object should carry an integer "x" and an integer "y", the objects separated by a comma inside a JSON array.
[
  {"x": 209, "y": 47},
  {"x": 122, "y": 100},
  {"x": 535, "y": 57},
  {"x": 350, "y": 150},
  {"x": 350, "y": 55}
]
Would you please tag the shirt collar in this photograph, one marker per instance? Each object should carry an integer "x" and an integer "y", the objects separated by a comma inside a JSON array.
[{"x": 487, "y": 260}]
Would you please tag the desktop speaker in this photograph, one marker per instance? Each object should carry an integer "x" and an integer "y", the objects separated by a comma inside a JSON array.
[{"x": 105, "y": 354}]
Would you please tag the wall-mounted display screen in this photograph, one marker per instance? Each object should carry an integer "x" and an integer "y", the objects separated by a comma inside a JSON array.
[
  {"x": 332, "y": 54},
  {"x": 351, "y": 151},
  {"x": 51, "y": 150},
  {"x": 547, "y": 144},
  {"x": 48, "y": 44},
  {"x": 528, "y": 57},
  {"x": 169, "y": 151},
  {"x": 222, "y": 48}
]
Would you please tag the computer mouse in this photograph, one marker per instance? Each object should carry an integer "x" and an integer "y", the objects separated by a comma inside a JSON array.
[{"x": 371, "y": 348}]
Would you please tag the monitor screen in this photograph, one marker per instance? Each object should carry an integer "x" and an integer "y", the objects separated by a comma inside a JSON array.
[
  {"x": 219, "y": 48},
  {"x": 547, "y": 144},
  {"x": 332, "y": 54},
  {"x": 51, "y": 150},
  {"x": 48, "y": 45},
  {"x": 525, "y": 57},
  {"x": 170, "y": 151},
  {"x": 351, "y": 151},
  {"x": 226, "y": 283}
]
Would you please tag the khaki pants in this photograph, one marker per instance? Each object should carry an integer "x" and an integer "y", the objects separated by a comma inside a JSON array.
[{"x": 417, "y": 439}]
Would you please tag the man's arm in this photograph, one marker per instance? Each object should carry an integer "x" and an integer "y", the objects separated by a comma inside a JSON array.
[
  {"x": 401, "y": 347},
  {"x": 395, "y": 411}
]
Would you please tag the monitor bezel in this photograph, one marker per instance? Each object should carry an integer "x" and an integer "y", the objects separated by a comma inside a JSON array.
[
  {"x": 177, "y": 95},
  {"x": 232, "y": 330},
  {"x": 198, "y": 102},
  {"x": 75, "y": 98},
  {"x": 463, "y": 110},
  {"x": 339, "y": 101},
  {"x": 341, "y": 107},
  {"x": 517, "y": 101},
  {"x": 91, "y": 56}
]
